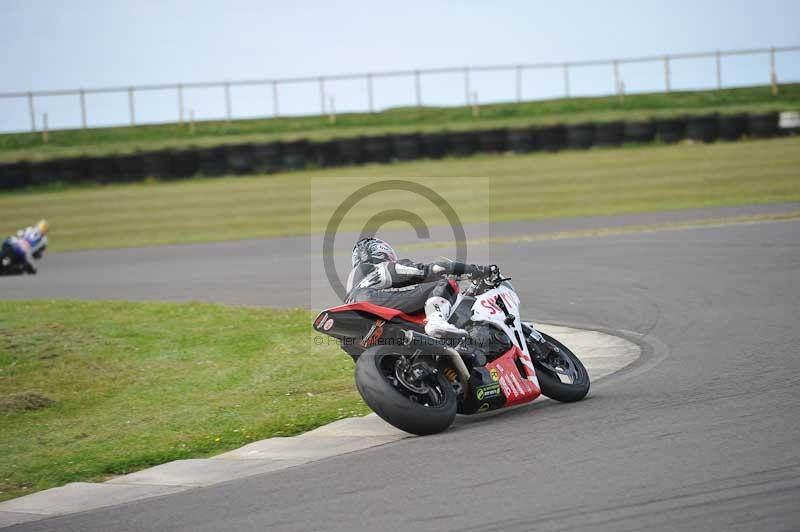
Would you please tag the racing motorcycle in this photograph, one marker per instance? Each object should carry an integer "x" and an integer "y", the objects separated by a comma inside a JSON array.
[{"x": 419, "y": 383}]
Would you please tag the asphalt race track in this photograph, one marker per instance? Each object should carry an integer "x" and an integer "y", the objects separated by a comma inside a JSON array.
[{"x": 701, "y": 434}]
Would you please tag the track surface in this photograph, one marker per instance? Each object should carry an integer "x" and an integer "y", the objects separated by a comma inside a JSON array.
[{"x": 700, "y": 435}]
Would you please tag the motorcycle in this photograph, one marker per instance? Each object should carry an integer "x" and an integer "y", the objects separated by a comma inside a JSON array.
[{"x": 419, "y": 383}]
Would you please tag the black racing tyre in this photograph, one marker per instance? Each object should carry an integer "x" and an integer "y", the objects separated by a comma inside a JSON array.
[
  {"x": 73, "y": 170},
  {"x": 351, "y": 150},
  {"x": 157, "y": 164},
  {"x": 732, "y": 127},
  {"x": 703, "y": 128},
  {"x": 463, "y": 143},
  {"x": 435, "y": 145},
  {"x": 643, "y": 131},
  {"x": 763, "y": 125},
  {"x": 129, "y": 167},
  {"x": 671, "y": 130},
  {"x": 294, "y": 154},
  {"x": 375, "y": 367},
  {"x": 183, "y": 163},
  {"x": 15, "y": 175},
  {"x": 378, "y": 149},
  {"x": 552, "y": 138},
  {"x": 521, "y": 140},
  {"x": 268, "y": 158},
  {"x": 552, "y": 386},
  {"x": 240, "y": 159},
  {"x": 492, "y": 140},
  {"x": 406, "y": 147},
  {"x": 609, "y": 134}
]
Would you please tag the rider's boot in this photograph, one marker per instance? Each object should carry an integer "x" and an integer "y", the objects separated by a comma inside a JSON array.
[{"x": 437, "y": 310}]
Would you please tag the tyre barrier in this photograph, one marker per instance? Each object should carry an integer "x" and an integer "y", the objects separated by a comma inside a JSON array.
[
  {"x": 762, "y": 126},
  {"x": 157, "y": 164},
  {"x": 463, "y": 143},
  {"x": 435, "y": 145},
  {"x": 703, "y": 128},
  {"x": 580, "y": 136},
  {"x": 671, "y": 130},
  {"x": 212, "y": 162},
  {"x": 377, "y": 149},
  {"x": 732, "y": 127},
  {"x": 406, "y": 147},
  {"x": 552, "y": 138},
  {"x": 294, "y": 154},
  {"x": 15, "y": 175},
  {"x": 351, "y": 150},
  {"x": 277, "y": 156},
  {"x": 639, "y": 131},
  {"x": 267, "y": 158},
  {"x": 324, "y": 154},
  {"x": 493, "y": 140},
  {"x": 521, "y": 140},
  {"x": 608, "y": 134},
  {"x": 183, "y": 163}
]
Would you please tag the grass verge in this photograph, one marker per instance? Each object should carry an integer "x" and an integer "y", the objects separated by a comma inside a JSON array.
[
  {"x": 595, "y": 182},
  {"x": 104, "y": 141},
  {"x": 139, "y": 384}
]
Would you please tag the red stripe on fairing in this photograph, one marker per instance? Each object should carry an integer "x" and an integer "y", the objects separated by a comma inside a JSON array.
[
  {"x": 516, "y": 387},
  {"x": 385, "y": 313}
]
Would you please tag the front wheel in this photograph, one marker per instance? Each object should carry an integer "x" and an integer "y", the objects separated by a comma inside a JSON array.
[
  {"x": 561, "y": 374},
  {"x": 405, "y": 391}
]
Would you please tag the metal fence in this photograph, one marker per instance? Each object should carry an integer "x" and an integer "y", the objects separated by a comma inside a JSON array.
[{"x": 417, "y": 75}]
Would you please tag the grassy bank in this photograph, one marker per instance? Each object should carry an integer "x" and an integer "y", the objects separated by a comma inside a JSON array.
[
  {"x": 596, "y": 182},
  {"x": 137, "y": 384},
  {"x": 103, "y": 141}
]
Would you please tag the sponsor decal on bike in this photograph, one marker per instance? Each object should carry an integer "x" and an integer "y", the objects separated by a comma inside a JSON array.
[
  {"x": 484, "y": 407},
  {"x": 494, "y": 374},
  {"x": 487, "y": 391},
  {"x": 328, "y": 325},
  {"x": 373, "y": 335}
]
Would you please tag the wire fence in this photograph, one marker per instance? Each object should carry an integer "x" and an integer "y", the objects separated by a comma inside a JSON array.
[{"x": 325, "y": 105}]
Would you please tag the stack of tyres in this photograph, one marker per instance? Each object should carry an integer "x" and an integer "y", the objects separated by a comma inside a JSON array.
[
  {"x": 184, "y": 163},
  {"x": 240, "y": 159},
  {"x": 732, "y": 127},
  {"x": 580, "y": 136},
  {"x": 15, "y": 175},
  {"x": 129, "y": 168},
  {"x": 463, "y": 143},
  {"x": 295, "y": 154},
  {"x": 377, "y": 149},
  {"x": 763, "y": 125},
  {"x": 552, "y": 138},
  {"x": 324, "y": 154},
  {"x": 493, "y": 140},
  {"x": 671, "y": 130},
  {"x": 43, "y": 172},
  {"x": 609, "y": 134},
  {"x": 639, "y": 132},
  {"x": 406, "y": 147},
  {"x": 212, "y": 162},
  {"x": 268, "y": 158},
  {"x": 434, "y": 145},
  {"x": 702, "y": 128},
  {"x": 103, "y": 170},
  {"x": 157, "y": 164},
  {"x": 73, "y": 170},
  {"x": 351, "y": 150},
  {"x": 521, "y": 140}
]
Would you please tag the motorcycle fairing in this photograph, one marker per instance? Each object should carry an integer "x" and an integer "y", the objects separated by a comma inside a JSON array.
[{"x": 516, "y": 387}]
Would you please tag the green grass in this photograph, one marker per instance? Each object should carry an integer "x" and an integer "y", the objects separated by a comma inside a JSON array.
[
  {"x": 139, "y": 384},
  {"x": 595, "y": 182},
  {"x": 101, "y": 141}
]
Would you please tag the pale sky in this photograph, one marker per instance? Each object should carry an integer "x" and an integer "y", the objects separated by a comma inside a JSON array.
[{"x": 53, "y": 44}]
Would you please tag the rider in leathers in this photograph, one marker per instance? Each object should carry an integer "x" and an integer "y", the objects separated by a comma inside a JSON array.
[
  {"x": 378, "y": 277},
  {"x": 27, "y": 245}
]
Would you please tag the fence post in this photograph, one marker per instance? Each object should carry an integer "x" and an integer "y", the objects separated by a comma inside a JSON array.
[
  {"x": 180, "y": 104},
  {"x": 719, "y": 70},
  {"x": 616, "y": 76},
  {"x": 131, "y": 106},
  {"x": 275, "y": 110},
  {"x": 519, "y": 82},
  {"x": 466, "y": 85},
  {"x": 773, "y": 75},
  {"x": 45, "y": 129},
  {"x": 228, "y": 101},
  {"x": 418, "y": 88},
  {"x": 83, "y": 108},
  {"x": 666, "y": 75},
  {"x": 321, "y": 95},
  {"x": 566, "y": 79},
  {"x": 369, "y": 93},
  {"x": 32, "y": 110}
]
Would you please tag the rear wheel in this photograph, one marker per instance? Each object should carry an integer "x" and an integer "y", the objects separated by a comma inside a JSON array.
[
  {"x": 405, "y": 391},
  {"x": 561, "y": 374}
]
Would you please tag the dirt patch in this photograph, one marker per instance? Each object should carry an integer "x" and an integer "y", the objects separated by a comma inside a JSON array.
[{"x": 19, "y": 402}]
